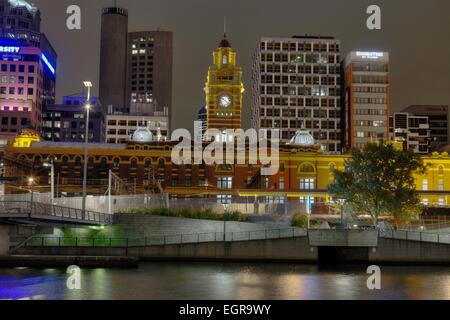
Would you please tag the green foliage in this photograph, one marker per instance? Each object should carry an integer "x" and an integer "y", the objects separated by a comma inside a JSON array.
[
  {"x": 379, "y": 180},
  {"x": 299, "y": 220},
  {"x": 191, "y": 214}
]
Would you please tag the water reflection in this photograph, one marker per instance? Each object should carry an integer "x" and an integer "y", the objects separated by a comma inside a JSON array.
[{"x": 227, "y": 281}]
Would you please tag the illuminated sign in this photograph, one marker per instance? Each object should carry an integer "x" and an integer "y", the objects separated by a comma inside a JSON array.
[
  {"x": 369, "y": 55},
  {"x": 9, "y": 49},
  {"x": 48, "y": 64}
]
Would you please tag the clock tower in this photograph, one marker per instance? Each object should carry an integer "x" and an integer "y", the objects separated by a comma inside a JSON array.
[{"x": 224, "y": 89}]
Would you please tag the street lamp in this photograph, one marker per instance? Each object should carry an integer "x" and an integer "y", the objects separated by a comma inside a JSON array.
[
  {"x": 51, "y": 165},
  {"x": 31, "y": 180},
  {"x": 88, "y": 85}
]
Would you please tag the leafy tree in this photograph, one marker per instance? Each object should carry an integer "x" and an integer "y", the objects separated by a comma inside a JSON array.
[{"x": 379, "y": 180}]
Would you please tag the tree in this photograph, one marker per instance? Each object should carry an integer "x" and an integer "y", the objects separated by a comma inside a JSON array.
[{"x": 379, "y": 180}]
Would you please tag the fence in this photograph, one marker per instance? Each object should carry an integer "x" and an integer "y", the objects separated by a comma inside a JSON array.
[
  {"x": 162, "y": 240},
  {"x": 415, "y": 236}
]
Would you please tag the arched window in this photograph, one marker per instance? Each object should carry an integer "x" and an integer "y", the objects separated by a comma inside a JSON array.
[
  {"x": 104, "y": 163},
  {"x": 78, "y": 161},
  {"x": 161, "y": 164},
  {"x": 440, "y": 170},
  {"x": 148, "y": 163},
  {"x": 116, "y": 163},
  {"x": 307, "y": 168},
  {"x": 134, "y": 163},
  {"x": 65, "y": 160},
  {"x": 332, "y": 167}
]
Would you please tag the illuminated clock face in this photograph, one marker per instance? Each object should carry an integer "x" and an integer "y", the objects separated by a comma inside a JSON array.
[{"x": 224, "y": 101}]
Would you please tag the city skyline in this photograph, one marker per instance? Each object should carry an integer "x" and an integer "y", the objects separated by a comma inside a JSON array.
[{"x": 193, "y": 42}]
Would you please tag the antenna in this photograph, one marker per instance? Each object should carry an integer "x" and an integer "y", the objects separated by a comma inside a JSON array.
[{"x": 224, "y": 27}]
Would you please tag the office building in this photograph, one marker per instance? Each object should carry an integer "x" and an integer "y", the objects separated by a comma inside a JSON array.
[
  {"x": 66, "y": 122},
  {"x": 367, "y": 98},
  {"x": 297, "y": 85},
  {"x": 413, "y": 132},
  {"x": 28, "y": 68},
  {"x": 438, "y": 119}
]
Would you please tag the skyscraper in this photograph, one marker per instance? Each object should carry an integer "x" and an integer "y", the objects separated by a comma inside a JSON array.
[
  {"x": 296, "y": 85},
  {"x": 367, "y": 98},
  {"x": 28, "y": 68},
  {"x": 224, "y": 89},
  {"x": 113, "y": 59}
]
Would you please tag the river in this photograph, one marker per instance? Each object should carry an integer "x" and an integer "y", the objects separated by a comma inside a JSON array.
[{"x": 229, "y": 281}]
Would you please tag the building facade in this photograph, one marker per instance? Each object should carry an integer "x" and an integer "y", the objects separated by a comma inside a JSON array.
[
  {"x": 297, "y": 85},
  {"x": 367, "y": 98},
  {"x": 304, "y": 175},
  {"x": 438, "y": 119},
  {"x": 413, "y": 132},
  {"x": 120, "y": 127},
  {"x": 149, "y": 68},
  {"x": 224, "y": 90},
  {"x": 28, "y": 68},
  {"x": 66, "y": 122}
]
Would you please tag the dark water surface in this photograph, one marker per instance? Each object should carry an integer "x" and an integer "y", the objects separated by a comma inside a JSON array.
[{"x": 204, "y": 281}]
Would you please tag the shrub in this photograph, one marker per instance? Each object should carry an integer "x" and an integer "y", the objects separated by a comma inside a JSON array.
[
  {"x": 189, "y": 213},
  {"x": 299, "y": 220}
]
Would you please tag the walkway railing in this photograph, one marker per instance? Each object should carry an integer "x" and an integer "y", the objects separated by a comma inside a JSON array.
[
  {"x": 416, "y": 236},
  {"x": 80, "y": 242},
  {"x": 45, "y": 211}
]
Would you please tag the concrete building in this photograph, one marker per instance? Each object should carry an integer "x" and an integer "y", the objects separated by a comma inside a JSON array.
[
  {"x": 120, "y": 127},
  {"x": 28, "y": 68},
  {"x": 149, "y": 68},
  {"x": 135, "y": 67},
  {"x": 410, "y": 130},
  {"x": 66, "y": 122},
  {"x": 113, "y": 59},
  {"x": 367, "y": 98},
  {"x": 438, "y": 119},
  {"x": 297, "y": 85}
]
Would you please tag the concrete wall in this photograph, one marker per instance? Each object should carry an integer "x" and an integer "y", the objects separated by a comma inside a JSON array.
[
  {"x": 4, "y": 240},
  {"x": 296, "y": 249},
  {"x": 134, "y": 226},
  {"x": 402, "y": 251}
]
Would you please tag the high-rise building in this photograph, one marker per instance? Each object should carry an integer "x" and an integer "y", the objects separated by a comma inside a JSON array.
[
  {"x": 28, "y": 68},
  {"x": 113, "y": 59},
  {"x": 224, "y": 89},
  {"x": 66, "y": 122},
  {"x": 297, "y": 85},
  {"x": 413, "y": 132},
  {"x": 367, "y": 98},
  {"x": 202, "y": 117},
  {"x": 149, "y": 68},
  {"x": 135, "y": 67},
  {"x": 438, "y": 120}
]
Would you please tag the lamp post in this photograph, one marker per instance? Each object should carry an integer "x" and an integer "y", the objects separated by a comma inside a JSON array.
[
  {"x": 88, "y": 85},
  {"x": 51, "y": 165},
  {"x": 31, "y": 180}
]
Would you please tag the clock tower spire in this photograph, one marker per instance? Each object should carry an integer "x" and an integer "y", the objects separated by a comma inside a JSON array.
[{"x": 224, "y": 89}]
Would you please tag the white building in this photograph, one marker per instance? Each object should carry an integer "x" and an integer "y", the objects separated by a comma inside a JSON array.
[{"x": 297, "y": 85}]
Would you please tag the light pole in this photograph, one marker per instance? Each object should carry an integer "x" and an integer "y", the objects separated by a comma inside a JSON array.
[
  {"x": 88, "y": 85},
  {"x": 51, "y": 164},
  {"x": 31, "y": 180}
]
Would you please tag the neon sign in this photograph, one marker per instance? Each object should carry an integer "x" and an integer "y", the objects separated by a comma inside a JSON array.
[
  {"x": 9, "y": 49},
  {"x": 369, "y": 55},
  {"x": 48, "y": 64}
]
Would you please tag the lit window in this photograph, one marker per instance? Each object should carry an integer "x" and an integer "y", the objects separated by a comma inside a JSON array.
[
  {"x": 425, "y": 185},
  {"x": 441, "y": 185}
]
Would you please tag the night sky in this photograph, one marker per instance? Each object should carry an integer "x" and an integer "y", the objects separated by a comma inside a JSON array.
[{"x": 416, "y": 33}]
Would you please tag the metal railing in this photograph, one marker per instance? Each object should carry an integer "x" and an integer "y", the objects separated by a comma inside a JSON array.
[
  {"x": 46, "y": 211},
  {"x": 80, "y": 242},
  {"x": 422, "y": 236}
]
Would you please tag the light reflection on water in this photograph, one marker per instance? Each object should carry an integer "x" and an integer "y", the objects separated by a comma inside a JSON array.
[{"x": 200, "y": 281}]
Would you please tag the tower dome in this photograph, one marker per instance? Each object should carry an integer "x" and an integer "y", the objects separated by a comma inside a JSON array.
[
  {"x": 302, "y": 138},
  {"x": 142, "y": 135}
]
